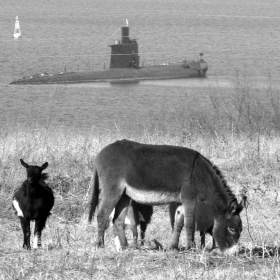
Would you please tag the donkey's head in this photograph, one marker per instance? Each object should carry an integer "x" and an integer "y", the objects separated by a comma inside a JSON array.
[
  {"x": 227, "y": 228},
  {"x": 34, "y": 172}
]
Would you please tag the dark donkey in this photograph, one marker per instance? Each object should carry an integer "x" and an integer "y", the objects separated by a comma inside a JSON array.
[
  {"x": 161, "y": 174},
  {"x": 137, "y": 214},
  {"x": 33, "y": 201},
  {"x": 204, "y": 222}
]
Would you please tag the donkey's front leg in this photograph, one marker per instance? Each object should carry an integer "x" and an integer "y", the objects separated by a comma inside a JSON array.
[{"x": 189, "y": 222}]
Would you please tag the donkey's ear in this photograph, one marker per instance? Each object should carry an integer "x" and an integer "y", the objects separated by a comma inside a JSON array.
[
  {"x": 23, "y": 163},
  {"x": 44, "y": 166},
  {"x": 243, "y": 201},
  {"x": 243, "y": 204},
  {"x": 232, "y": 208}
]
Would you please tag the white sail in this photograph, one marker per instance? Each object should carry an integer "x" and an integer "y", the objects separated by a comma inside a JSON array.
[{"x": 17, "y": 32}]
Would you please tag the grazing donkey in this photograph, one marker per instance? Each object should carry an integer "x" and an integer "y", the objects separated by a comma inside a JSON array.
[
  {"x": 162, "y": 174},
  {"x": 203, "y": 219},
  {"x": 33, "y": 201},
  {"x": 137, "y": 214}
]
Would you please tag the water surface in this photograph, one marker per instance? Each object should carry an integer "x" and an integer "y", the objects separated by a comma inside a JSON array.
[{"x": 235, "y": 36}]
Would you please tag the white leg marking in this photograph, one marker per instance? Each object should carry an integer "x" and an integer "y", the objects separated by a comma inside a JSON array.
[
  {"x": 16, "y": 205},
  {"x": 118, "y": 244},
  {"x": 111, "y": 217},
  {"x": 127, "y": 221},
  {"x": 35, "y": 241},
  {"x": 179, "y": 212}
]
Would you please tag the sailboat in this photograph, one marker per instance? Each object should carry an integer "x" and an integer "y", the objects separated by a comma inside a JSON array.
[{"x": 17, "y": 32}]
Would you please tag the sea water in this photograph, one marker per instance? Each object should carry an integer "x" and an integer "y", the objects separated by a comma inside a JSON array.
[{"x": 238, "y": 38}]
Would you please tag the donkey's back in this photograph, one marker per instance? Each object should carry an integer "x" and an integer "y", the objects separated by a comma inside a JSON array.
[{"x": 138, "y": 169}]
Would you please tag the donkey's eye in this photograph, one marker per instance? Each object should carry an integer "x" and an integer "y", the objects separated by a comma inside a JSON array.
[{"x": 231, "y": 230}]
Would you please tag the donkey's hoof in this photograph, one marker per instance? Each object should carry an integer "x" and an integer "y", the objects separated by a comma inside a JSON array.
[{"x": 175, "y": 249}]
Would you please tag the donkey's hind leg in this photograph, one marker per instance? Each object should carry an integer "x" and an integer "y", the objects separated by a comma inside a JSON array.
[
  {"x": 106, "y": 207},
  {"x": 119, "y": 220}
]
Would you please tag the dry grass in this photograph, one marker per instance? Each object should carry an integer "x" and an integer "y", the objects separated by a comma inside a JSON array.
[
  {"x": 250, "y": 164},
  {"x": 69, "y": 253}
]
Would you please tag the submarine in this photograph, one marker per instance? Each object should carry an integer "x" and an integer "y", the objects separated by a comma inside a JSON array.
[{"x": 124, "y": 68}]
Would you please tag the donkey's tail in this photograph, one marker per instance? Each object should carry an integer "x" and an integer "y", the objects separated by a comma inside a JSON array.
[{"x": 95, "y": 196}]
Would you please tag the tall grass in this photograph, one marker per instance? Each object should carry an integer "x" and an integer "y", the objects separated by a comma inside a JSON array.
[{"x": 240, "y": 134}]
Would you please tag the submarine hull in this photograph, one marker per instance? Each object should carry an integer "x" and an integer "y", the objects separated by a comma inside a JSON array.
[
  {"x": 124, "y": 68},
  {"x": 119, "y": 75}
]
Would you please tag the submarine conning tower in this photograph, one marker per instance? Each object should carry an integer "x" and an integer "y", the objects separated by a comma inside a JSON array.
[{"x": 124, "y": 53}]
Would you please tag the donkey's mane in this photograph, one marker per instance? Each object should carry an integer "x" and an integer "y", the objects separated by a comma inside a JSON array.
[
  {"x": 223, "y": 180},
  {"x": 219, "y": 173}
]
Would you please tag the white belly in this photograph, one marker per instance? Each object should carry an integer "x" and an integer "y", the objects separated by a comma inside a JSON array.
[{"x": 152, "y": 197}]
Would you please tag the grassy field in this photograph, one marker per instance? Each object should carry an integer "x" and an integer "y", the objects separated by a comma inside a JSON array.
[
  {"x": 241, "y": 136},
  {"x": 250, "y": 164}
]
